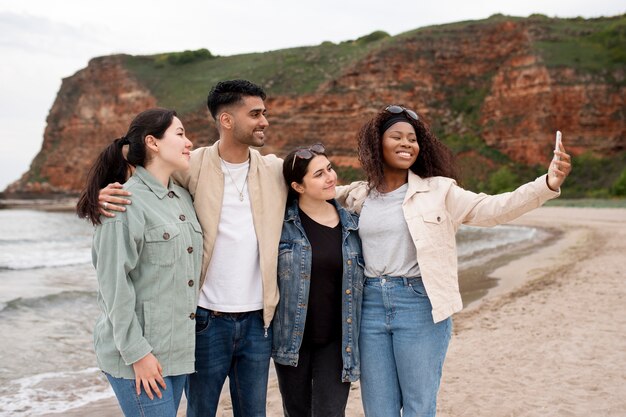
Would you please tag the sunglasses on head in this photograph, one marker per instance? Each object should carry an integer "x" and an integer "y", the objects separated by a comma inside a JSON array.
[
  {"x": 395, "y": 109},
  {"x": 308, "y": 153}
]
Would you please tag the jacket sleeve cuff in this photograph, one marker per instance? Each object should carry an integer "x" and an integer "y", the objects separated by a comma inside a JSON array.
[
  {"x": 136, "y": 352},
  {"x": 545, "y": 192}
]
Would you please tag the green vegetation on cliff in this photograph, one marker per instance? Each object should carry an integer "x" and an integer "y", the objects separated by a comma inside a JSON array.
[
  {"x": 595, "y": 48},
  {"x": 291, "y": 71}
]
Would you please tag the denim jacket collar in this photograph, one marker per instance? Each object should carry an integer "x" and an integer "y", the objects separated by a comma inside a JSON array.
[{"x": 347, "y": 221}]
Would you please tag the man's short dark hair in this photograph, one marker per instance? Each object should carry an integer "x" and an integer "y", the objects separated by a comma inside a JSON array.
[{"x": 225, "y": 93}]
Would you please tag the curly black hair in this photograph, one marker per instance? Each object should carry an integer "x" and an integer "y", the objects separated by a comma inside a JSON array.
[{"x": 434, "y": 158}]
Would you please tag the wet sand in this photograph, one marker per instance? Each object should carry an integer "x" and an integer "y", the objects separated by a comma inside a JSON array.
[{"x": 547, "y": 341}]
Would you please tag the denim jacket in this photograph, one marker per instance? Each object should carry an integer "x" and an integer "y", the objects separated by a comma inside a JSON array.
[{"x": 294, "y": 271}]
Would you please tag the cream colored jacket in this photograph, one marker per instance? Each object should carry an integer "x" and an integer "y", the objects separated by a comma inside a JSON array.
[
  {"x": 434, "y": 208},
  {"x": 268, "y": 193}
]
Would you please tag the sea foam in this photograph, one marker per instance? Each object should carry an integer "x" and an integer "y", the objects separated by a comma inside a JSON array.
[{"x": 53, "y": 392}]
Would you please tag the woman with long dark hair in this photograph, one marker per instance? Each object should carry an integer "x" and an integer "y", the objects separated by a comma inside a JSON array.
[
  {"x": 410, "y": 209},
  {"x": 147, "y": 262},
  {"x": 320, "y": 278}
]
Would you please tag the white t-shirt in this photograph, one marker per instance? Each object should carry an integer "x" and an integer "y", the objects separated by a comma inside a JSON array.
[{"x": 233, "y": 281}]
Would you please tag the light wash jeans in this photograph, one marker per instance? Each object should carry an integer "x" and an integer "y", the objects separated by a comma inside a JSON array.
[
  {"x": 233, "y": 346},
  {"x": 142, "y": 406},
  {"x": 402, "y": 350}
]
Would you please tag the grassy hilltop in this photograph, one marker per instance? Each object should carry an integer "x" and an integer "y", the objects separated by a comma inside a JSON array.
[{"x": 593, "y": 48}]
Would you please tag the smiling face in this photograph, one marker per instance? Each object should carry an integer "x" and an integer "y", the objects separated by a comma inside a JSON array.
[
  {"x": 319, "y": 181},
  {"x": 400, "y": 147},
  {"x": 174, "y": 148},
  {"x": 248, "y": 121}
]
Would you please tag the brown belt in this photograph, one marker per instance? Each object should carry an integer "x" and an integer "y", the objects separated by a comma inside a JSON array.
[
  {"x": 224, "y": 314},
  {"x": 233, "y": 315}
]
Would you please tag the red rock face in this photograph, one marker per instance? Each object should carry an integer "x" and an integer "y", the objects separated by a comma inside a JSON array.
[
  {"x": 92, "y": 108},
  {"x": 516, "y": 102},
  {"x": 527, "y": 103}
]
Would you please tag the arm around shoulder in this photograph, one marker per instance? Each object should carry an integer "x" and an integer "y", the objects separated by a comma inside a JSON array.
[{"x": 351, "y": 196}]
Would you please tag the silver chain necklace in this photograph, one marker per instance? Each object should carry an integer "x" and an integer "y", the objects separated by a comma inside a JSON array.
[{"x": 243, "y": 187}]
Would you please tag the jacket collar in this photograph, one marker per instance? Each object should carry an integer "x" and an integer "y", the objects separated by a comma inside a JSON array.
[
  {"x": 153, "y": 184},
  {"x": 345, "y": 218},
  {"x": 417, "y": 184}
]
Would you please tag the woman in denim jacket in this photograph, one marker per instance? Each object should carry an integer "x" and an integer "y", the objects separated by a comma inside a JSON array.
[{"x": 320, "y": 278}]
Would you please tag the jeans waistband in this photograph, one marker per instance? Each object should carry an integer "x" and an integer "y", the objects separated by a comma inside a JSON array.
[
  {"x": 386, "y": 278},
  {"x": 225, "y": 314}
]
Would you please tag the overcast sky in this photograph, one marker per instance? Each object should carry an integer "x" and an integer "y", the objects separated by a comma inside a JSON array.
[{"x": 43, "y": 41}]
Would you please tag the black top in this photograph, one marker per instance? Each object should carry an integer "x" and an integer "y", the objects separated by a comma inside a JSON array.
[{"x": 323, "y": 317}]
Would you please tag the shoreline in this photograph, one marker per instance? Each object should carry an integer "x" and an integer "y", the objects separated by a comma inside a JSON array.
[
  {"x": 548, "y": 337},
  {"x": 44, "y": 204}
]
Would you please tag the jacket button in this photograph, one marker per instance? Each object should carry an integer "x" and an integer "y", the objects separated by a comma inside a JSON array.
[
  {"x": 192, "y": 316},
  {"x": 349, "y": 262},
  {"x": 348, "y": 349},
  {"x": 438, "y": 218},
  {"x": 166, "y": 235},
  {"x": 182, "y": 217},
  {"x": 190, "y": 282},
  {"x": 170, "y": 194},
  {"x": 348, "y": 292},
  {"x": 189, "y": 249},
  {"x": 349, "y": 320}
]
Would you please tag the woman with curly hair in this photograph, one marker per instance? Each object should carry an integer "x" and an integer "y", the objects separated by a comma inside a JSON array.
[{"x": 410, "y": 209}]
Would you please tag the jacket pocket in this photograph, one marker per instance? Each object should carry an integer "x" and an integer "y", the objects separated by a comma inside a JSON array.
[
  {"x": 151, "y": 325},
  {"x": 438, "y": 228},
  {"x": 196, "y": 227},
  {"x": 285, "y": 260},
  {"x": 163, "y": 244}
]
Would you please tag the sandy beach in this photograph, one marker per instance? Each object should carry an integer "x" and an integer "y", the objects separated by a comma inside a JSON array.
[{"x": 549, "y": 342}]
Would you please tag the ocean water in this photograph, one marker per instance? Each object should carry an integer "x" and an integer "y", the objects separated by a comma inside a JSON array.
[{"x": 48, "y": 307}]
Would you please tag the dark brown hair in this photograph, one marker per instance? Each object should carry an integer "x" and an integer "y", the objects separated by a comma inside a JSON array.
[
  {"x": 110, "y": 166},
  {"x": 434, "y": 158},
  {"x": 229, "y": 92},
  {"x": 295, "y": 168}
]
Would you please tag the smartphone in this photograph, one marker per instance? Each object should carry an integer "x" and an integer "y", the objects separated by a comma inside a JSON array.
[
  {"x": 557, "y": 146},
  {"x": 557, "y": 143}
]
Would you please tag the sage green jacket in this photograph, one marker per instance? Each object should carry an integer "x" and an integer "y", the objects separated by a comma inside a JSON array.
[{"x": 148, "y": 262}]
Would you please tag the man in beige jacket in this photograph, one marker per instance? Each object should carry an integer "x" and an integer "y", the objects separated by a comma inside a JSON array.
[{"x": 239, "y": 196}]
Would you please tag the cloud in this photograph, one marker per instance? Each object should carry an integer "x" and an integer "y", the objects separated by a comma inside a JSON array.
[{"x": 44, "y": 37}]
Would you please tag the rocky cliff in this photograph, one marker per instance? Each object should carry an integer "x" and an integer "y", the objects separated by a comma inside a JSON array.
[{"x": 494, "y": 80}]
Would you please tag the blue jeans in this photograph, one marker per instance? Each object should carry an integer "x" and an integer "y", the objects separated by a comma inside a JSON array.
[
  {"x": 140, "y": 406},
  {"x": 402, "y": 350},
  {"x": 234, "y": 346}
]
